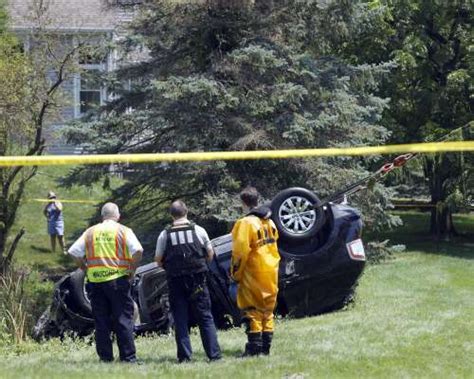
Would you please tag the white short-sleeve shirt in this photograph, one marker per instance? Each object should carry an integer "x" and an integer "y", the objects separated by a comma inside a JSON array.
[{"x": 78, "y": 248}]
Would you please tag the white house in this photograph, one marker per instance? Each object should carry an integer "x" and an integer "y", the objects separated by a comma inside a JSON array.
[{"x": 74, "y": 21}]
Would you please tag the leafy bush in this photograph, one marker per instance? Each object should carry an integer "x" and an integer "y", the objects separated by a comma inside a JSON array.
[{"x": 378, "y": 252}]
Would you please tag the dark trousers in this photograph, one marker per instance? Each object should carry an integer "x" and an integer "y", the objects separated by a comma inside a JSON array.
[
  {"x": 190, "y": 293},
  {"x": 112, "y": 308}
]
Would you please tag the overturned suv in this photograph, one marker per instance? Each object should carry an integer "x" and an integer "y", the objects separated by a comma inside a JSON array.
[{"x": 322, "y": 257}]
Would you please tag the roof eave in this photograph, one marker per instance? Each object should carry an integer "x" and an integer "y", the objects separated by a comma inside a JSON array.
[{"x": 64, "y": 30}]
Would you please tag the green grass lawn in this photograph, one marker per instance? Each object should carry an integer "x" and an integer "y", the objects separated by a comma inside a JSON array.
[
  {"x": 413, "y": 318},
  {"x": 413, "y": 234},
  {"x": 34, "y": 248}
]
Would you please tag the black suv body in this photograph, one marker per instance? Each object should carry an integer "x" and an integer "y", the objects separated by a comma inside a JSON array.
[{"x": 322, "y": 258}]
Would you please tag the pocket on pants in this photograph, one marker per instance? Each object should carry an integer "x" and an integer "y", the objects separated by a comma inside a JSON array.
[{"x": 123, "y": 284}]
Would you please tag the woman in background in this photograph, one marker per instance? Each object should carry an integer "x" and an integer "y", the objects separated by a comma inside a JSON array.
[{"x": 54, "y": 214}]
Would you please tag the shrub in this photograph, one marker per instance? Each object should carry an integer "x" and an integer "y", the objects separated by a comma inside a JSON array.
[{"x": 378, "y": 252}]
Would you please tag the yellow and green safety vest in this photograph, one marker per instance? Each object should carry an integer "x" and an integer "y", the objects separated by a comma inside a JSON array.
[{"x": 107, "y": 254}]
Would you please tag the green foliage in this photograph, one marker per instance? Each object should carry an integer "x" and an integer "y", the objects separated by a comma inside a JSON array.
[
  {"x": 236, "y": 79},
  {"x": 378, "y": 252},
  {"x": 431, "y": 89},
  {"x": 3, "y": 16},
  {"x": 15, "y": 94},
  {"x": 430, "y": 42},
  {"x": 15, "y": 129}
]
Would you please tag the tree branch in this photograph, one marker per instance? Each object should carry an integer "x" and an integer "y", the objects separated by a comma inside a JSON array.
[
  {"x": 7, "y": 260},
  {"x": 38, "y": 145},
  {"x": 430, "y": 31}
]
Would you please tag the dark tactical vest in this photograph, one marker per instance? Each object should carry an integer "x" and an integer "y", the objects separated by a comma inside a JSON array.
[{"x": 184, "y": 253}]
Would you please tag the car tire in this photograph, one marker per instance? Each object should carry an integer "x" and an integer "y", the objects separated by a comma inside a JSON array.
[
  {"x": 78, "y": 292},
  {"x": 297, "y": 214},
  {"x": 348, "y": 299},
  {"x": 45, "y": 327}
]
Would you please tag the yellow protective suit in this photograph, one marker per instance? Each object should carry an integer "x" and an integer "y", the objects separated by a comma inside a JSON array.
[{"x": 254, "y": 267}]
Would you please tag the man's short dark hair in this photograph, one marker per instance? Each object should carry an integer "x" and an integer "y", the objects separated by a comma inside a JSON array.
[
  {"x": 249, "y": 196},
  {"x": 178, "y": 209}
]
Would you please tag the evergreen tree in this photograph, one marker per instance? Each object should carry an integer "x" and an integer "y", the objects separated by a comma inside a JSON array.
[{"x": 226, "y": 77}]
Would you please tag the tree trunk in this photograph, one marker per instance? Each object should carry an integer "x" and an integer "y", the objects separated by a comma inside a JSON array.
[
  {"x": 4, "y": 229},
  {"x": 441, "y": 225},
  {"x": 2, "y": 244},
  {"x": 441, "y": 222}
]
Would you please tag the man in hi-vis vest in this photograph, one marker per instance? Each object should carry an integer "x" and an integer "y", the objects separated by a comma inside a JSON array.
[
  {"x": 183, "y": 249},
  {"x": 110, "y": 253}
]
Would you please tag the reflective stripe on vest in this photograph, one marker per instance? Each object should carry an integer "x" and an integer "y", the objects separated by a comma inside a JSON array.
[
  {"x": 107, "y": 255},
  {"x": 98, "y": 262},
  {"x": 266, "y": 234},
  {"x": 181, "y": 237}
]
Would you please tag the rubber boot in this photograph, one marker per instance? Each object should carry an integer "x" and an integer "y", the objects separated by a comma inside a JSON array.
[
  {"x": 254, "y": 345},
  {"x": 266, "y": 342}
]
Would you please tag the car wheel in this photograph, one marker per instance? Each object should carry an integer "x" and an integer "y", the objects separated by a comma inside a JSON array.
[
  {"x": 297, "y": 214},
  {"x": 79, "y": 293}
]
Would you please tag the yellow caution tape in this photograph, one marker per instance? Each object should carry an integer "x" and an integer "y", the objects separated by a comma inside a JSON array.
[
  {"x": 50, "y": 160},
  {"x": 67, "y": 201}
]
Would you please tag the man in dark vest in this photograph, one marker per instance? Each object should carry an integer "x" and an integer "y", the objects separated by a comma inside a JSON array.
[{"x": 183, "y": 250}]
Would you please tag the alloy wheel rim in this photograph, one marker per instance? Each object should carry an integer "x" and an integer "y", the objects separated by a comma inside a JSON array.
[{"x": 296, "y": 215}]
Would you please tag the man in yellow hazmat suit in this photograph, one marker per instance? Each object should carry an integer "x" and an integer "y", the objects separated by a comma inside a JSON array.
[{"x": 254, "y": 267}]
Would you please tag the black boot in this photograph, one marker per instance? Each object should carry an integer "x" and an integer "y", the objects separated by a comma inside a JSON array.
[
  {"x": 254, "y": 345},
  {"x": 266, "y": 342}
]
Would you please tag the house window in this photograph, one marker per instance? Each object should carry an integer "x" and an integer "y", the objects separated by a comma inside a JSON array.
[
  {"x": 93, "y": 60},
  {"x": 91, "y": 94}
]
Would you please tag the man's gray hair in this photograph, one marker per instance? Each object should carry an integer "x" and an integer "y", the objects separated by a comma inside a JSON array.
[
  {"x": 110, "y": 211},
  {"x": 178, "y": 209}
]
